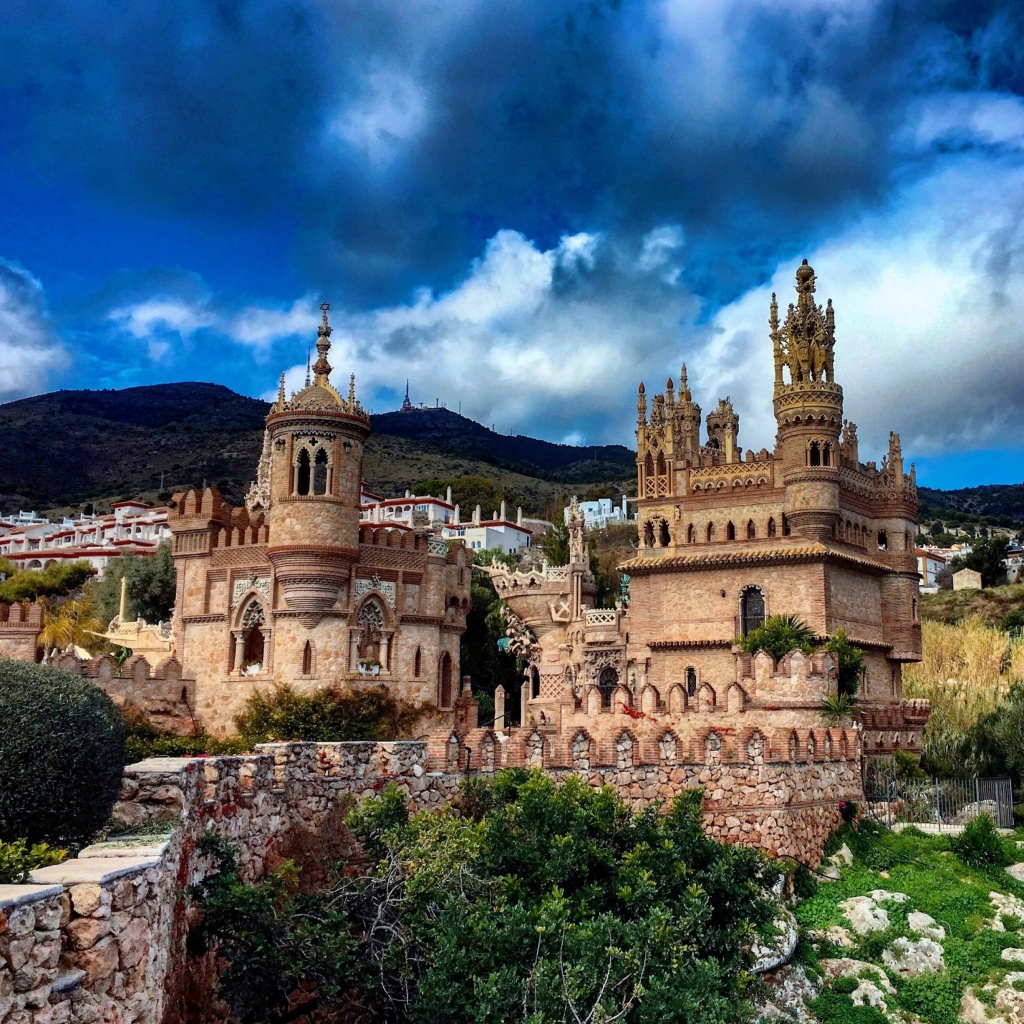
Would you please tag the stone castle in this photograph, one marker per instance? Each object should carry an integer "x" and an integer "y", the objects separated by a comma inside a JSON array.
[{"x": 649, "y": 696}]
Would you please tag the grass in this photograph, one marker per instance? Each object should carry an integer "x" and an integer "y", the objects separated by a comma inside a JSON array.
[
  {"x": 990, "y": 606},
  {"x": 938, "y": 884}
]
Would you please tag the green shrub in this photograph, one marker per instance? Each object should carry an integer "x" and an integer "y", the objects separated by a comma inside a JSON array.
[
  {"x": 61, "y": 754},
  {"x": 778, "y": 636},
  {"x": 327, "y": 715},
  {"x": 143, "y": 740},
  {"x": 979, "y": 844},
  {"x": 17, "y": 859},
  {"x": 541, "y": 903}
]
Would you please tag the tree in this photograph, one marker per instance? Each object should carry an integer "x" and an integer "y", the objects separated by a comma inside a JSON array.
[
  {"x": 32, "y": 584},
  {"x": 479, "y": 655},
  {"x": 555, "y": 544},
  {"x": 151, "y": 586},
  {"x": 73, "y": 622},
  {"x": 849, "y": 662},
  {"x": 986, "y": 557},
  {"x": 538, "y": 902},
  {"x": 778, "y": 636},
  {"x": 937, "y": 528}
]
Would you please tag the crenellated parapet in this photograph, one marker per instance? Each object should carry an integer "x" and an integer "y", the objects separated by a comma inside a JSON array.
[{"x": 20, "y": 626}]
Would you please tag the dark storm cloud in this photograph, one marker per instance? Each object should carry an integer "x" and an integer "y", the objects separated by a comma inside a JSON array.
[{"x": 400, "y": 136}]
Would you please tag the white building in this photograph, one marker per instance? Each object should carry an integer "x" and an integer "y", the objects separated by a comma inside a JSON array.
[
  {"x": 598, "y": 514},
  {"x": 497, "y": 533},
  {"x": 31, "y": 542},
  {"x": 929, "y": 563}
]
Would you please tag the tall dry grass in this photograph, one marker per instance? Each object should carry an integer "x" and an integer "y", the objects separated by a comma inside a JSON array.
[{"x": 966, "y": 670}]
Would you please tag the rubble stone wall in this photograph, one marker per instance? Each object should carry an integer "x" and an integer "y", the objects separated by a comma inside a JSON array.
[{"x": 102, "y": 937}]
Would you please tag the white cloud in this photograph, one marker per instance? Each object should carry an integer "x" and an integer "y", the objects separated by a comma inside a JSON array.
[
  {"x": 929, "y": 300},
  {"x": 143, "y": 320},
  {"x": 29, "y": 350}
]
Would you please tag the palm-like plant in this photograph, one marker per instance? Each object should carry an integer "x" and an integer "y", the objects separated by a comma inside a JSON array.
[
  {"x": 778, "y": 636},
  {"x": 73, "y": 622},
  {"x": 836, "y": 707}
]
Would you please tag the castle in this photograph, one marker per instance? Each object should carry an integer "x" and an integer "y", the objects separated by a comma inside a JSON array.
[
  {"x": 726, "y": 539},
  {"x": 650, "y": 696},
  {"x": 293, "y": 588}
]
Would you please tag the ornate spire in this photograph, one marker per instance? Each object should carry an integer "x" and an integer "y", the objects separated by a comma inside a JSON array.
[
  {"x": 641, "y": 405},
  {"x": 804, "y": 343},
  {"x": 309, "y": 378},
  {"x": 321, "y": 367},
  {"x": 352, "y": 391},
  {"x": 280, "y": 394}
]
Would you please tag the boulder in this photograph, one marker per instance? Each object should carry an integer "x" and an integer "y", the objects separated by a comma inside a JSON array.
[
  {"x": 864, "y": 914},
  {"x": 780, "y": 948},
  {"x": 926, "y": 925},
  {"x": 911, "y": 957}
]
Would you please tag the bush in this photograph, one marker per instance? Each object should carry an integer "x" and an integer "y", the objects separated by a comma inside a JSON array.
[
  {"x": 539, "y": 903},
  {"x": 17, "y": 859},
  {"x": 61, "y": 754},
  {"x": 325, "y": 716},
  {"x": 778, "y": 636},
  {"x": 979, "y": 844}
]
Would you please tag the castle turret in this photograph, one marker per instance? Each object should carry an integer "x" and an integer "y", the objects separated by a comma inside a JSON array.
[
  {"x": 808, "y": 409},
  {"x": 316, "y": 443},
  {"x": 687, "y": 422},
  {"x": 724, "y": 430}
]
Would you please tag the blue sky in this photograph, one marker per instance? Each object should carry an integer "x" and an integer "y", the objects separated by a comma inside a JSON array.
[{"x": 525, "y": 207}]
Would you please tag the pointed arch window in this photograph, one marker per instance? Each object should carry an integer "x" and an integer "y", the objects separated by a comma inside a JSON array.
[
  {"x": 606, "y": 683},
  {"x": 664, "y": 538},
  {"x": 711, "y": 532},
  {"x": 302, "y": 472},
  {"x": 691, "y": 535},
  {"x": 814, "y": 455},
  {"x": 417, "y": 664},
  {"x": 445, "y": 680},
  {"x": 752, "y": 609},
  {"x": 771, "y": 527},
  {"x": 751, "y": 530},
  {"x": 307, "y": 658},
  {"x": 730, "y": 532},
  {"x": 691, "y": 681},
  {"x": 320, "y": 471}
]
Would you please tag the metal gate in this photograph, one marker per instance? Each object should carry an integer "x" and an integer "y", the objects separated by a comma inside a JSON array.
[{"x": 940, "y": 804}]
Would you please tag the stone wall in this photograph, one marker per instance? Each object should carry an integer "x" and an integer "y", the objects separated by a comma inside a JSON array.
[
  {"x": 20, "y": 625},
  {"x": 102, "y": 937}
]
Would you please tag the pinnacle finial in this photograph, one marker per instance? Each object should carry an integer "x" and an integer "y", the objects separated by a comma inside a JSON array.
[
  {"x": 352, "y": 391},
  {"x": 309, "y": 363},
  {"x": 321, "y": 367},
  {"x": 280, "y": 393}
]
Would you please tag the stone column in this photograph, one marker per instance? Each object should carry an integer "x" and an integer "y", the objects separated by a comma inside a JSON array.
[
  {"x": 499, "y": 708},
  {"x": 385, "y": 652},
  {"x": 524, "y": 697},
  {"x": 354, "y": 637},
  {"x": 266, "y": 631},
  {"x": 239, "y": 635}
]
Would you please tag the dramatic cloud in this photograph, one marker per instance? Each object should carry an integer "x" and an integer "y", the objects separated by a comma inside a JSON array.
[{"x": 30, "y": 354}]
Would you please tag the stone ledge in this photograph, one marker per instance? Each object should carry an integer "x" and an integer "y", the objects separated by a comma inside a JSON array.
[
  {"x": 162, "y": 765},
  {"x": 18, "y": 895},
  {"x": 94, "y": 869},
  {"x": 125, "y": 848}
]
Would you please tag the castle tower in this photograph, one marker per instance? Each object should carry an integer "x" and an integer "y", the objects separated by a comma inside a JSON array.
[
  {"x": 808, "y": 409},
  {"x": 724, "y": 429},
  {"x": 316, "y": 443}
]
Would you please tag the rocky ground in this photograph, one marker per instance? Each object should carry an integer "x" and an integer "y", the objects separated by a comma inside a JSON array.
[{"x": 905, "y": 932}]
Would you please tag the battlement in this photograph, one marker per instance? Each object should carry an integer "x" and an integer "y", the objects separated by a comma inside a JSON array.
[{"x": 21, "y": 616}]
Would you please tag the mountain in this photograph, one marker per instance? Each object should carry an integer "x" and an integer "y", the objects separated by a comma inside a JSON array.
[{"x": 70, "y": 448}]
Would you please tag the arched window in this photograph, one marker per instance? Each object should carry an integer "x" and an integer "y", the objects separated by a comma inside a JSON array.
[
  {"x": 711, "y": 532},
  {"x": 883, "y": 540},
  {"x": 307, "y": 658},
  {"x": 302, "y": 473},
  {"x": 320, "y": 472},
  {"x": 254, "y": 621},
  {"x": 814, "y": 454},
  {"x": 649, "y": 475},
  {"x": 691, "y": 535},
  {"x": 771, "y": 527},
  {"x": 785, "y": 526},
  {"x": 663, "y": 536},
  {"x": 534, "y": 681},
  {"x": 691, "y": 681},
  {"x": 445, "y": 680},
  {"x": 752, "y": 609},
  {"x": 648, "y": 534},
  {"x": 730, "y": 532},
  {"x": 751, "y": 530},
  {"x": 417, "y": 663},
  {"x": 606, "y": 683},
  {"x": 826, "y": 454}
]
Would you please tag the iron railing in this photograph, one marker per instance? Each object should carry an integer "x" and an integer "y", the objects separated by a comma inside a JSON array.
[{"x": 945, "y": 805}]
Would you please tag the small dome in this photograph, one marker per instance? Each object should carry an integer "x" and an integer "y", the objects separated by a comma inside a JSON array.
[
  {"x": 317, "y": 396},
  {"x": 804, "y": 272}
]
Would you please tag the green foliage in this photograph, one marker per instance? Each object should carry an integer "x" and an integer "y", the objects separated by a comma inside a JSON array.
[
  {"x": 986, "y": 557},
  {"x": 778, "y": 636},
  {"x": 54, "y": 581},
  {"x": 151, "y": 586},
  {"x": 19, "y": 858},
  {"x": 538, "y": 903},
  {"x": 995, "y": 744},
  {"x": 328, "y": 715},
  {"x": 835, "y": 707},
  {"x": 555, "y": 544},
  {"x": 61, "y": 754},
  {"x": 1013, "y": 622},
  {"x": 834, "y": 1007},
  {"x": 144, "y": 741},
  {"x": 979, "y": 844},
  {"x": 849, "y": 661},
  {"x": 479, "y": 656},
  {"x": 273, "y": 940}
]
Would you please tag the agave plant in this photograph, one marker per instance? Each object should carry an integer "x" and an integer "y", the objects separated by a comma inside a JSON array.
[
  {"x": 778, "y": 636},
  {"x": 836, "y": 707}
]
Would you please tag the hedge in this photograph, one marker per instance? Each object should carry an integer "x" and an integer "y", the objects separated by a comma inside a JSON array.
[{"x": 61, "y": 754}]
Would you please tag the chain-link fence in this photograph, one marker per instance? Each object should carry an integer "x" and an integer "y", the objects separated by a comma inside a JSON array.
[{"x": 941, "y": 804}]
